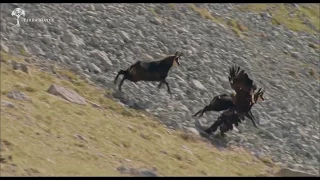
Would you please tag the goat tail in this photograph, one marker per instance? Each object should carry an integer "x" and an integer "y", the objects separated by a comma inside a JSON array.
[{"x": 120, "y": 72}]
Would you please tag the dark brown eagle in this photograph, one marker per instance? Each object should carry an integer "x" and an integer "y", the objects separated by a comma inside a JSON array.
[{"x": 236, "y": 106}]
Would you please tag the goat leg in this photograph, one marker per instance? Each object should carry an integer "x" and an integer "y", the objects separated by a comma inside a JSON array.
[
  {"x": 168, "y": 87},
  {"x": 254, "y": 119},
  {"x": 222, "y": 131},
  {"x": 213, "y": 128},
  {"x": 224, "y": 128},
  {"x": 251, "y": 118},
  {"x": 115, "y": 79},
  {"x": 121, "y": 82},
  {"x": 222, "y": 134}
]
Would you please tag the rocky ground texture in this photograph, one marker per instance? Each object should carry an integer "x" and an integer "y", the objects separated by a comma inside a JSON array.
[{"x": 97, "y": 40}]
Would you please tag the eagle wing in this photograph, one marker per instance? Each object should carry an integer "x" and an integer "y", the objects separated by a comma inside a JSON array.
[{"x": 240, "y": 81}]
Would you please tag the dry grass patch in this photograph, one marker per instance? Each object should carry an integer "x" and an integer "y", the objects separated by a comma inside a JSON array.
[
  {"x": 289, "y": 16},
  {"x": 53, "y": 137},
  {"x": 311, "y": 70},
  {"x": 203, "y": 12},
  {"x": 173, "y": 6},
  {"x": 293, "y": 73},
  {"x": 153, "y": 12},
  {"x": 314, "y": 45},
  {"x": 235, "y": 25},
  {"x": 24, "y": 53},
  {"x": 313, "y": 73}
]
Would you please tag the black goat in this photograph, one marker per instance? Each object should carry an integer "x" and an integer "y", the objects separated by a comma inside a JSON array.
[{"x": 150, "y": 71}]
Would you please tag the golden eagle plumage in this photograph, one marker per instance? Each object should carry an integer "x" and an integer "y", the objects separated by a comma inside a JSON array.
[{"x": 242, "y": 101}]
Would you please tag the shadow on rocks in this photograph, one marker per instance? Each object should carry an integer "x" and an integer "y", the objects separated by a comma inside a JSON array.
[
  {"x": 126, "y": 100},
  {"x": 215, "y": 139}
]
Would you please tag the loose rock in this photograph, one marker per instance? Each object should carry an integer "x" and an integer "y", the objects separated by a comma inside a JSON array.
[
  {"x": 198, "y": 85},
  {"x": 66, "y": 94},
  {"x": 286, "y": 172},
  {"x": 17, "y": 95},
  {"x": 4, "y": 47},
  {"x": 8, "y": 104}
]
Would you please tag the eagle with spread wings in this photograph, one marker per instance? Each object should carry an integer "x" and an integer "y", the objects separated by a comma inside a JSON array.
[{"x": 236, "y": 106}]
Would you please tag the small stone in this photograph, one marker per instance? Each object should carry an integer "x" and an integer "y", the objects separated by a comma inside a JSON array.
[
  {"x": 47, "y": 39},
  {"x": 296, "y": 55},
  {"x": 4, "y": 47},
  {"x": 175, "y": 125},
  {"x": 185, "y": 148},
  {"x": 17, "y": 95},
  {"x": 95, "y": 68},
  {"x": 69, "y": 37},
  {"x": 76, "y": 68},
  {"x": 265, "y": 15},
  {"x": 125, "y": 36},
  {"x": 80, "y": 137},
  {"x": 198, "y": 85},
  {"x": 286, "y": 172},
  {"x": 193, "y": 130},
  {"x": 8, "y": 104},
  {"x": 95, "y": 105},
  {"x": 25, "y": 49},
  {"x": 123, "y": 170},
  {"x": 147, "y": 173},
  {"x": 103, "y": 57},
  {"x": 15, "y": 65},
  {"x": 29, "y": 60},
  {"x": 24, "y": 68},
  {"x": 36, "y": 50},
  {"x": 155, "y": 20}
]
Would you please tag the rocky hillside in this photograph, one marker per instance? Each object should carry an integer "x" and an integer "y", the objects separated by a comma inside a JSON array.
[
  {"x": 54, "y": 123},
  {"x": 278, "y": 45}
]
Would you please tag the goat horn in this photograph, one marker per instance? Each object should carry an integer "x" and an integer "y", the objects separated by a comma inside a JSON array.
[{"x": 176, "y": 53}]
